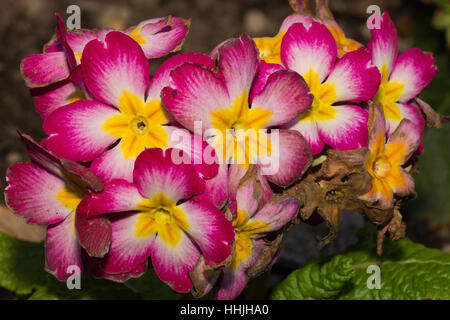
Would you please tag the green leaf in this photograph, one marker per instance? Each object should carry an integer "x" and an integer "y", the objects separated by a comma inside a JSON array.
[
  {"x": 22, "y": 272},
  {"x": 408, "y": 271}
]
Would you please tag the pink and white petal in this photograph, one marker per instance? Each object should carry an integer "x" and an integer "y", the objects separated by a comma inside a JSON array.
[
  {"x": 348, "y": 129},
  {"x": 354, "y": 77},
  {"x": 383, "y": 44},
  {"x": 285, "y": 95},
  {"x": 216, "y": 189},
  {"x": 96, "y": 269},
  {"x": 128, "y": 251},
  {"x": 309, "y": 130},
  {"x": 407, "y": 111},
  {"x": 238, "y": 62},
  {"x": 116, "y": 65},
  {"x": 78, "y": 39},
  {"x": 404, "y": 141},
  {"x": 306, "y": 48},
  {"x": 53, "y": 45},
  {"x": 201, "y": 154},
  {"x": 210, "y": 230},
  {"x": 194, "y": 92},
  {"x": 32, "y": 194},
  {"x": 162, "y": 43},
  {"x": 117, "y": 196},
  {"x": 235, "y": 174},
  {"x": 277, "y": 212},
  {"x": 264, "y": 71},
  {"x": 295, "y": 18},
  {"x": 415, "y": 69},
  {"x": 248, "y": 196},
  {"x": 62, "y": 250},
  {"x": 162, "y": 74},
  {"x": 290, "y": 157},
  {"x": 48, "y": 99},
  {"x": 172, "y": 264},
  {"x": 40, "y": 70},
  {"x": 76, "y": 130},
  {"x": 232, "y": 284},
  {"x": 113, "y": 165},
  {"x": 158, "y": 171},
  {"x": 156, "y": 23}
]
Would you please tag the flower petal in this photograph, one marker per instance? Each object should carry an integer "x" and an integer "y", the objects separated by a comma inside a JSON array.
[
  {"x": 406, "y": 111},
  {"x": 216, "y": 189},
  {"x": 54, "y": 96},
  {"x": 233, "y": 283},
  {"x": 157, "y": 41},
  {"x": 162, "y": 74},
  {"x": 76, "y": 130},
  {"x": 290, "y": 157},
  {"x": 211, "y": 231},
  {"x": 116, "y": 65},
  {"x": 62, "y": 250},
  {"x": 202, "y": 155},
  {"x": 285, "y": 95},
  {"x": 354, "y": 77},
  {"x": 309, "y": 130},
  {"x": 172, "y": 264},
  {"x": 295, "y": 18},
  {"x": 403, "y": 142},
  {"x": 193, "y": 93},
  {"x": 415, "y": 69},
  {"x": 158, "y": 171},
  {"x": 306, "y": 48},
  {"x": 117, "y": 196},
  {"x": 113, "y": 165},
  {"x": 380, "y": 192},
  {"x": 43, "y": 69},
  {"x": 238, "y": 62},
  {"x": 383, "y": 44},
  {"x": 276, "y": 213},
  {"x": 33, "y": 193},
  {"x": 128, "y": 250},
  {"x": 348, "y": 129},
  {"x": 264, "y": 71}
]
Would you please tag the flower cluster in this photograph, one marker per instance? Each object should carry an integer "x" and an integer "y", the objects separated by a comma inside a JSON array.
[{"x": 194, "y": 172}]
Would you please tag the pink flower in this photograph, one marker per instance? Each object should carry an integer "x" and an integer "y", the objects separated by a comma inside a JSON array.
[
  {"x": 160, "y": 215},
  {"x": 337, "y": 85},
  {"x": 48, "y": 191},
  {"x": 229, "y": 106},
  {"x": 48, "y": 74},
  {"x": 402, "y": 77},
  {"x": 127, "y": 115}
]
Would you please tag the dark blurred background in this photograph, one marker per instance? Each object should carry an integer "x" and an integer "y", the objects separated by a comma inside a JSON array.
[{"x": 25, "y": 25}]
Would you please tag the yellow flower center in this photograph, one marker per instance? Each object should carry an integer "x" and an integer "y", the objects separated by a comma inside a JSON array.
[
  {"x": 160, "y": 215},
  {"x": 382, "y": 167},
  {"x": 139, "y": 125},
  {"x": 136, "y": 36},
  {"x": 240, "y": 136},
  {"x": 244, "y": 232},
  {"x": 324, "y": 95},
  {"x": 388, "y": 95}
]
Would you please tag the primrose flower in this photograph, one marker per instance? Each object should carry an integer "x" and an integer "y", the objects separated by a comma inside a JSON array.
[
  {"x": 126, "y": 118},
  {"x": 230, "y": 108},
  {"x": 270, "y": 47},
  {"x": 48, "y": 191},
  {"x": 160, "y": 215},
  {"x": 337, "y": 85},
  {"x": 402, "y": 77},
  {"x": 385, "y": 160},
  {"x": 48, "y": 75},
  {"x": 253, "y": 220}
]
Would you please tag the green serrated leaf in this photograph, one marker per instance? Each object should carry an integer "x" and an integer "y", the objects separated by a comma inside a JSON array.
[{"x": 408, "y": 271}]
